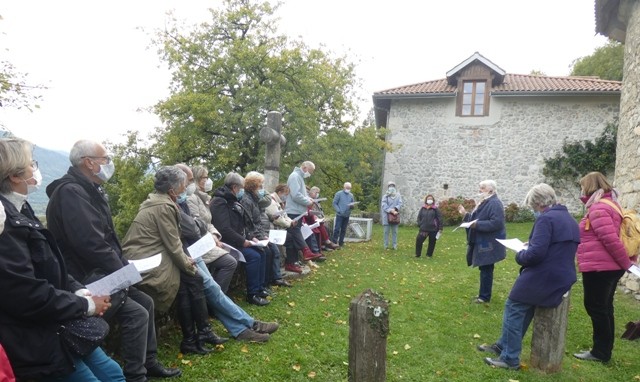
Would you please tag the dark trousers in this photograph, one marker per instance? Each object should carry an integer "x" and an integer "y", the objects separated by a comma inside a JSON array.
[
  {"x": 138, "y": 346},
  {"x": 486, "y": 282},
  {"x": 422, "y": 236},
  {"x": 294, "y": 242},
  {"x": 342, "y": 222},
  {"x": 599, "y": 289},
  {"x": 222, "y": 270}
]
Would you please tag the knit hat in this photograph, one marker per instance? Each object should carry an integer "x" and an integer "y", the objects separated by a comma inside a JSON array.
[{"x": 391, "y": 183}]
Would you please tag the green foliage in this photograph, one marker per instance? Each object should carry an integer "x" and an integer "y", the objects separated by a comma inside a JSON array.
[
  {"x": 449, "y": 209},
  {"x": 131, "y": 183},
  {"x": 606, "y": 62},
  {"x": 516, "y": 214},
  {"x": 580, "y": 158}
]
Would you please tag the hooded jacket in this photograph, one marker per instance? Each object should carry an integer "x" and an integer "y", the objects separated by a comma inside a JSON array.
[{"x": 228, "y": 215}]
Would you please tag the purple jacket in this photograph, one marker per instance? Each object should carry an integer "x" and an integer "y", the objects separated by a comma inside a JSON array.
[
  {"x": 548, "y": 264},
  {"x": 600, "y": 246}
]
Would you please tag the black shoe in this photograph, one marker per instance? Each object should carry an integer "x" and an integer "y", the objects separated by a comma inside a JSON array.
[
  {"x": 264, "y": 293},
  {"x": 193, "y": 346},
  {"x": 210, "y": 337},
  {"x": 493, "y": 348},
  {"x": 496, "y": 362},
  {"x": 281, "y": 283},
  {"x": 159, "y": 371},
  {"x": 257, "y": 300}
]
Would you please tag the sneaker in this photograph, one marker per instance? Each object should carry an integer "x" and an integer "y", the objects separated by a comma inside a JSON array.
[
  {"x": 478, "y": 300},
  {"x": 257, "y": 300},
  {"x": 265, "y": 327},
  {"x": 496, "y": 362},
  {"x": 293, "y": 268},
  {"x": 250, "y": 335},
  {"x": 493, "y": 348},
  {"x": 587, "y": 356}
]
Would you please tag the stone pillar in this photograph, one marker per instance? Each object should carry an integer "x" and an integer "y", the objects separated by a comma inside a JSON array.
[
  {"x": 627, "y": 175},
  {"x": 270, "y": 134}
]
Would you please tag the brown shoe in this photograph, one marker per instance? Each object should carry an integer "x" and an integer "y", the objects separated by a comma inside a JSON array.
[
  {"x": 331, "y": 244},
  {"x": 265, "y": 327},
  {"x": 293, "y": 268},
  {"x": 250, "y": 335}
]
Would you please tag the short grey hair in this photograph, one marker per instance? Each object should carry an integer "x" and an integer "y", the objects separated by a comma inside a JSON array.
[
  {"x": 15, "y": 158},
  {"x": 540, "y": 195},
  {"x": 169, "y": 178},
  {"x": 489, "y": 184},
  {"x": 233, "y": 179},
  {"x": 198, "y": 172},
  {"x": 80, "y": 149},
  {"x": 314, "y": 189},
  {"x": 308, "y": 164}
]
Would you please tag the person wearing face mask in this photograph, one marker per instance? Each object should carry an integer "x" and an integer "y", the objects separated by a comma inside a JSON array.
[
  {"x": 79, "y": 216},
  {"x": 391, "y": 204},
  {"x": 40, "y": 295},
  {"x": 220, "y": 263},
  {"x": 229, "y": 216},
  {"x": 343, "y": 204},
  {"x": 429, "y": 225},
  {"x": 483, "y": 251}
]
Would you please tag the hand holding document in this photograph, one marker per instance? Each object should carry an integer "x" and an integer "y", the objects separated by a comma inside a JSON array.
[
  {"x": 352, "y": 204},
  {"x": 319, "y": 200},
  {"x": 202, "y": 246},
  {"x": 306, "y": 231},
  {"x": 635, "y": 270},
  {"x": 514, "y": 244},
  {"x": 118, "y": 280},
  {"x": 277, "y": 236},
  {"x": 465, "y": 225},
  {"x": 147, "y": 264},
  {"x": 260, "y": 243},
  {"x": 315, "y": 225},
  {"x": 299, "y": 217}
]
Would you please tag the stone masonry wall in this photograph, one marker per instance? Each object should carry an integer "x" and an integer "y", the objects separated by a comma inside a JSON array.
[{"x": 448, "y": 156}]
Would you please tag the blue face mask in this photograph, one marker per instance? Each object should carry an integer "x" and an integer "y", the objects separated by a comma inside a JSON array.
[
  {"x": 182, "y": 197},
  {"x": 240, "y": 194},
  {"x": 261, "y": 193}
]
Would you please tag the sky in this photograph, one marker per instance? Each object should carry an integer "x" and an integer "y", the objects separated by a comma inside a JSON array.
[{"x": 102, "y": 74}]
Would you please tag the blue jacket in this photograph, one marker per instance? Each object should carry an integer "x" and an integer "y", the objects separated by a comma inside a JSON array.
[
  {"x": 341, "y": 202},
  {"x": 483, "y": 249},
  {"x": 548, "y": 270},
  {"x": 298, "y": 200}
]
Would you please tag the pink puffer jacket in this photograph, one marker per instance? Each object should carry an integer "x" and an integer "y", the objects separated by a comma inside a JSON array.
[{"x": 600, "y": 246}]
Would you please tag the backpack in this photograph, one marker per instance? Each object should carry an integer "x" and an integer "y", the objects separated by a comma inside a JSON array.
[{"x": 629, "y": 228}]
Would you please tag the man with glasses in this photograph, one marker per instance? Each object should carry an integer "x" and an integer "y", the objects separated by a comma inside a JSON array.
[{"x": 79, "y": 217}]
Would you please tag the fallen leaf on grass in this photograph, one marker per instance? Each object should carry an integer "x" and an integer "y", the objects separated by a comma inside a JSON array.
[
  {"x": 395, "y": 352},
  {"x": 297, "y": 324},
  {"x": 244, "y": 349},
  {"x": 186, "y": 362},
  {"x": 476, "y": 335},
  {"x": 296, "y": 367},
  {"x": 291, "y": 304},
  {"x": 407, "y": 347},
  {"x": 312, "y": 374}
]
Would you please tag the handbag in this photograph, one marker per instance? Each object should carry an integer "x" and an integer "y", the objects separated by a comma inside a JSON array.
[
  {"x": 83, "y": 335},
  {"x": 393, "y": 219}
]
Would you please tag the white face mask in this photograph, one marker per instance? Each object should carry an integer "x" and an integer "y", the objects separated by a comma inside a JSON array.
[
  {"x": 306, "y": 174},
  {"x": 38, "y": 178},
  {"x": 191, "y": 189},
  {"x": 429, "y": 201},
  {"x": 106, "y": 171},
  {"x": 208, "y": 185},
  {"x": 3, "y": 217},
  {"x": 347, "y": 190}
]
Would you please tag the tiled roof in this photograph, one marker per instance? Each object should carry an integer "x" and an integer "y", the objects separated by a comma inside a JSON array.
[{"x": 513, "y": 84}]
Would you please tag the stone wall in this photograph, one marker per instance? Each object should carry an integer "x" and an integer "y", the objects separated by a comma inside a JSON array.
[{"x": 448, "y": 156}]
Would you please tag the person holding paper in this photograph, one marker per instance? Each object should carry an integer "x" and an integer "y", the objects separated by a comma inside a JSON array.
[
  {"x": 39, "y": 296},
  {"x": 483, "y": 251},
  {"x": 316, "y": 210},
  {"x": 220, "y": 263},
  {"x": 79, "y": 216},
  {"x": 391, "y": 204},
  {"x": 429, "y": 225},
  {"x": 547, "y": 272},
  {"x": 602, "y": 260},
  {"x": 343, "y": 203}
]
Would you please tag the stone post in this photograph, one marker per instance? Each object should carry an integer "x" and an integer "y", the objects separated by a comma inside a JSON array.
[
  {"x": 548, "y": 339},
  {"x": 270, "y": 134}
]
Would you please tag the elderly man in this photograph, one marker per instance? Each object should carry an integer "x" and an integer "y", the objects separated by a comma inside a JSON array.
[
  {"x": 343, "y": 204},
  {"x": 79, "y": 217}
]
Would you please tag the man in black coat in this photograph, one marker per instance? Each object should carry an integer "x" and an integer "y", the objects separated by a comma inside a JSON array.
[{"x": 79, "y": 217}]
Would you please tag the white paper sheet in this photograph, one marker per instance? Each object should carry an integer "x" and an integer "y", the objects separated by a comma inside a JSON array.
[
  {"x": 319, "y": 200},
  {"x": 277, "y": 236},
  {"x": 143, "y": 265},
  {"x": 306, "y": 231},
  {"x": 299, "y": 217},
  {"x": 352, "y": 204},
  {"x": 260, "y": 243},
  {"x": 635, "y": 270},
  {"x": 315, "y": 225},
  {"x": 202, "y": 246},
  {"x": 235, "y": 253},
  {"x": 514, "y": 244},
  {"x": 118, "y": 280},
  {"x": 465, "y": 225}
]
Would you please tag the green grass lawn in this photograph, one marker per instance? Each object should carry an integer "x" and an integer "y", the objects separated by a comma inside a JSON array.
[{"x": 434, "y": 327}]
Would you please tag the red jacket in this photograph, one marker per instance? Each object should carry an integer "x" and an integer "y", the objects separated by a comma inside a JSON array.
[{"x": 600, "y": 246}]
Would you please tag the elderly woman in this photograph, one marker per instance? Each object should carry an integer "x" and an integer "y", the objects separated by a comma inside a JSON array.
[
  {"x": 602, "y": 259},
  {"x": 42, "y": 296},
  {"x": 488, "y": 224},
  {"x": 156, "y": 229},
  {"x": 547, "y": 273},
  {"x": 219, "y": 262},
  {"x": 316, "y": 210},
  {"x": 390, "y": 204},
  {"x": 229, "y": 216}
]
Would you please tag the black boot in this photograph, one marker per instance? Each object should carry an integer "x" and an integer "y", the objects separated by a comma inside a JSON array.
[
  {"x": 201, "y": 318},
  {"x": 189, "y": 343}
]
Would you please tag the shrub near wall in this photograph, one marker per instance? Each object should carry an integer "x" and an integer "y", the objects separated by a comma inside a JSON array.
[
  {"x": 449, "y": 209},
  {"x": 515, "y": 214}
]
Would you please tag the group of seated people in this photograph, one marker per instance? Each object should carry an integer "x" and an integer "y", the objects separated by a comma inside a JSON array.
[{"x": 46, "y": 268}]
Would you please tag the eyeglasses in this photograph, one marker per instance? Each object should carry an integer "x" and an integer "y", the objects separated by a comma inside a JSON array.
[
  {"x": 34, "y": 165},
  {"x": 107, "y": 158}
]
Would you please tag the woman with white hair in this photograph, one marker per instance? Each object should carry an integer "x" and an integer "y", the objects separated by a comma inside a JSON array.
[
  {"x": 391, "y": 204},
  {"x": 547, "y": 273},
  {"x": 488, "y": 224}
]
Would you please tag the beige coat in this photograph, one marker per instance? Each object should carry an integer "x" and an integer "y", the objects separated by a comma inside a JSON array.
[
  {"x": 156, "y": 229},
  {"x": 276, "y": 213},
  {"x": 199, "y": 208}
]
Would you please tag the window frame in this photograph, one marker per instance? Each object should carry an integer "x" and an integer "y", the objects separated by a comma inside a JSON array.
[{"x": 474, "y": 94}]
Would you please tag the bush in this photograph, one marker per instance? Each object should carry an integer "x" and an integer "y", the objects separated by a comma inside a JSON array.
[
  {"x": 515, "y": 214},
  {"x": 449, "y": 209}
]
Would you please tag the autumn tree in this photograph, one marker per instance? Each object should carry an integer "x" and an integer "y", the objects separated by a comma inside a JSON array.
[{"x": 606, "y": 62}]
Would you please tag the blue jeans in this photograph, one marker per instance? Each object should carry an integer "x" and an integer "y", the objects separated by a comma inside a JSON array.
[
  {"x": 95, "y": 367},
  {"x": 342, "y": 222},
  {"x": 515, "y": 322},
  {"x": 486, "y": 282},
  {"x": 394, "y": 235},
  {"x": 256, "y": 266},
  {"x": 234, "y": 319}
]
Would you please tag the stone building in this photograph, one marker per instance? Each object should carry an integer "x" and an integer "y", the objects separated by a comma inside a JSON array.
[{"x": 483, "y": 123}]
